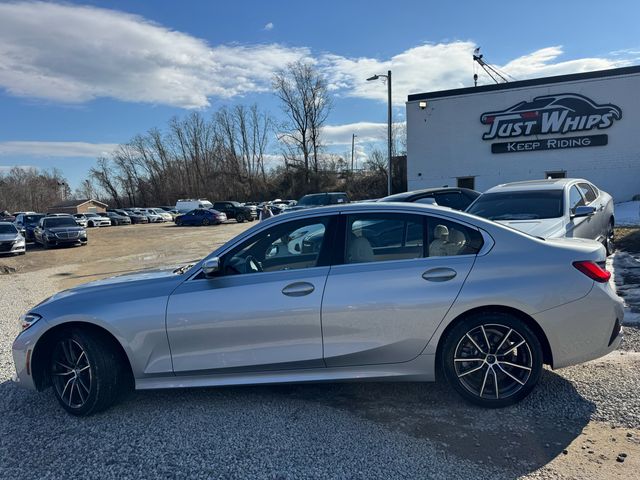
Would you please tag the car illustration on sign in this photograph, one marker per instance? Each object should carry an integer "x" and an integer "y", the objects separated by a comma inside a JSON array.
[{"x": 562, "y": 113}]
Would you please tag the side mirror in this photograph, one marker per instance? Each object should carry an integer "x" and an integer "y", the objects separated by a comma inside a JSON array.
[
  {"x": 211, "y": 266},
  {"x": 583, "y": 211}
]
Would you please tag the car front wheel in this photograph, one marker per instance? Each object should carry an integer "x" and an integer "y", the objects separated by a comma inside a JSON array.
[
  {"x": 86, "y": 373},
  {"x": 492, "y": 359}
]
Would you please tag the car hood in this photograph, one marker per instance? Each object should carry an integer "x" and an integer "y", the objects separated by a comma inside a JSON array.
[
  {"x": 545, "y": 228},
  {"x": 147, "y": 283}
]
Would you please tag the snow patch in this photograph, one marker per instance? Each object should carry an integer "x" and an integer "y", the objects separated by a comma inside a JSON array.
[
  {"x": 625, "y": 278},
  {"x": 627, "y": 214}
]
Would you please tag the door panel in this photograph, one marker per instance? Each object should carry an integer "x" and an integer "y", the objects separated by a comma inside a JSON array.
[
  {"x": 386, "y": 312},
  {"x": 247, "y": 322}
]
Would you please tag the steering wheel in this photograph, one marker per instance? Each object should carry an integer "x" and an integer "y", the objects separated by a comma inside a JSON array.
[{"x": 252, "y": 265}]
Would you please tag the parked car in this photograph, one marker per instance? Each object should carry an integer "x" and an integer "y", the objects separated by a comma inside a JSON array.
[
  {"x": 186, "y": 205},
  {"x": 11, "y": 242},
  {"x": 166, "y": 215},
  {"x": 26, "y": 222},
  {"x": 59, "y": 230},
  {"x": 81, "y": 220},
  {"x": 452, "y": 197},
  {"x": 5, "y": 216},
  {"x": 551, "y": 208},
  {"x": 93, "y": 219},
  {"x": 484, "y": 304},
  {"x": 135, "y": 217},
  {"x": 116, "y": 218},
  {"x": 236, "y": 211},
  {"x": 201, "y": 216},
  {"x": 152, "y": 215},
  {"x": 313, "y": 200}
]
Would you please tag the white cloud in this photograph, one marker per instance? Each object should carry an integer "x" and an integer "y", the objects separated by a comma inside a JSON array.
[
  {"x": 443, "y": 66},
  {"x": 365, "y": 132},
  {"x": 56, "y": 149},
  {"x": 74, "y": 54}
]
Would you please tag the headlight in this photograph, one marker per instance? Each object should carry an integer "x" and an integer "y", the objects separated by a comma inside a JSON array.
[
  {"x": 83, "y": 232},
  {"x": 20, "y": 242},
  {"x": 28, "y": 319}
]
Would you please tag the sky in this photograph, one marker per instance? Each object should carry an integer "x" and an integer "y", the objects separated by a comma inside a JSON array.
[{"x": 79, "y": 78}]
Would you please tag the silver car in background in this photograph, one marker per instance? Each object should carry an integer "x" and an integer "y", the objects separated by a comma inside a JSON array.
[
  {"x": 11, "y": 240},
  {"x": 367, "y": 291},
  {"x": 552, "y": 208}
]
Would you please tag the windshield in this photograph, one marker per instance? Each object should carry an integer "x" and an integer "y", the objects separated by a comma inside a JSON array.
[
  {"x": 313, "y": 200},
  {"x": 91, "y": 215},
  {"x": 60, "y": 222},
  {"x": 32, "y": 219},
  {"x": 4, "y": 229},
  {"x": 526, "y": 205}
]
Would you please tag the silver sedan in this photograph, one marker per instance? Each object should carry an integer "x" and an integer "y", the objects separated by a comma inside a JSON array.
[{"x": 366, "y": 291}]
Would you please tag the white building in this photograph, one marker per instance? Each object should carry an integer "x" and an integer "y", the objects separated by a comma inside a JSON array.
[{"x": 584, "y": 125}]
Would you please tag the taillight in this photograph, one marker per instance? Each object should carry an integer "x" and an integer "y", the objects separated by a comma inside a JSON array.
[{"x": 593, "y": 271}]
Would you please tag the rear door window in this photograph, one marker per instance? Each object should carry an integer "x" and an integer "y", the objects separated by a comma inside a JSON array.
[
  {"x": 588, "y": 192},
  {"x": 374, "y": 237}
]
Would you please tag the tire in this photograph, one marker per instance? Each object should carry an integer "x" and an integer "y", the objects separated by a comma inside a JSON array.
[
  {"x": 251, "y": 218},
  {"x": 239, "y": 218},
  {"x": 86, "y": 372},
  {"x": 475, "y": 380},
  {"x": 205, "y": 222},
  {"x": 608, "y": 241}
]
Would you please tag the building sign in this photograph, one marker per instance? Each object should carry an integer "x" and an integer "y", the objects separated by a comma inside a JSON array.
[
  {"x": 550, "y": 114},
  {"x": 549, "y": 144}
]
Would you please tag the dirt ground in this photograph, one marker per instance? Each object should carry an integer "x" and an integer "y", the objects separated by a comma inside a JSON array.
[
  {"x": 117, "y": 250},
  {"x": 627, "y": 239}
]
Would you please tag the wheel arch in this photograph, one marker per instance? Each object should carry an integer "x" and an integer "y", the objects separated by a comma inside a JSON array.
[
  {"x": 45, "y": 344},
  {"x": 547, "y": 354}
]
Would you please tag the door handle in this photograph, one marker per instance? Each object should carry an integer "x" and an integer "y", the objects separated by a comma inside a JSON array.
[
  {"x": 298, "y": 289},
  {"x": 439, "y": 274}
]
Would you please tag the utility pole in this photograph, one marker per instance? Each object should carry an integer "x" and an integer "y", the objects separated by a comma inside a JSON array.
[{"x": 353, "y": 143}]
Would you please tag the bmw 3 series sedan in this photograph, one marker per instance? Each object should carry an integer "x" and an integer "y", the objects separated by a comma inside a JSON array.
[{"x": 367, "y": 291}]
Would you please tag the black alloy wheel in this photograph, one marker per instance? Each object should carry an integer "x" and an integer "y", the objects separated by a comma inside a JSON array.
[{"x": 492, "y": 359}]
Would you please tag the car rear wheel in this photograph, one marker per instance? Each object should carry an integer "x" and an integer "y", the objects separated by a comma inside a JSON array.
[
  {"x": 492, "y": 359},
  {"x": 608, "y": 241},
  {"x": 86, "y": 373}
]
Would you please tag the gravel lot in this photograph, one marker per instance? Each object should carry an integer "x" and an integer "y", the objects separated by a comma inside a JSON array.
[{"x": 350, "y": 430}]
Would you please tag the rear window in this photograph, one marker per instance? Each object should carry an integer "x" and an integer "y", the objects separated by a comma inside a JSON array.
[{"x": 527, "y": 205}]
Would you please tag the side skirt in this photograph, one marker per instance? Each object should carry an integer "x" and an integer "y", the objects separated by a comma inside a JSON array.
[{"x": 421, "y": 369}]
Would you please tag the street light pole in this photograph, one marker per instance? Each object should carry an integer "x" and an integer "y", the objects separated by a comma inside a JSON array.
[
  {"x": 353, "y": 143},
  {"x": 389, "y": 122}
]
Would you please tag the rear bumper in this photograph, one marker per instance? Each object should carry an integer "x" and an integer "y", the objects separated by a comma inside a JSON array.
[{"x": 585, "y": 329}]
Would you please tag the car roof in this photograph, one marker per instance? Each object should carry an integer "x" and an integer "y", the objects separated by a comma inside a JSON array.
[
  {"x": 424, "y": 191},
  {"x": 542, "y": 184}
]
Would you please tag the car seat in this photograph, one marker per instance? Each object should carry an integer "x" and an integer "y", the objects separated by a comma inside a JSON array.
[{"x": 359, "y": 250}]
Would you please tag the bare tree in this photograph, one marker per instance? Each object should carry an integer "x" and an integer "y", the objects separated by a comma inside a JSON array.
[{"x": 304, "y": 97}]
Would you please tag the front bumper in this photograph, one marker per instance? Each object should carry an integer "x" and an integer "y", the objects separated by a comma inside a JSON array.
[
  {"x": 22, "y": 350},
  {"x": 584, "y": 329}
]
